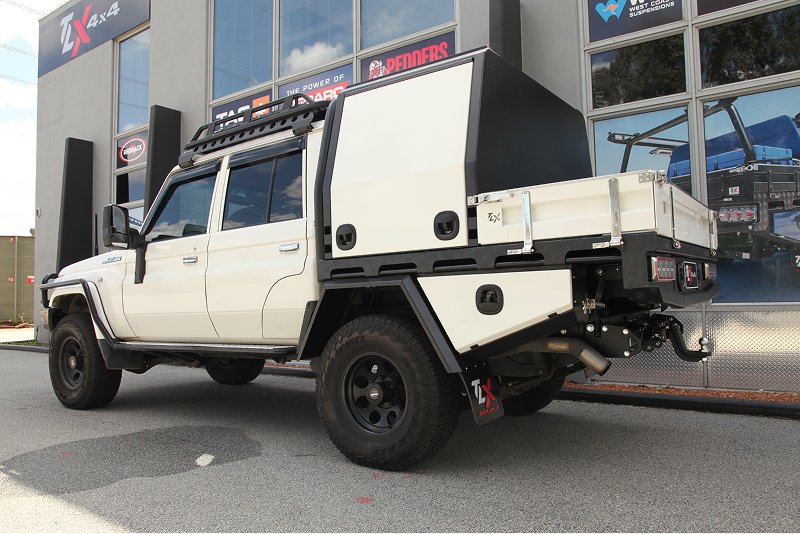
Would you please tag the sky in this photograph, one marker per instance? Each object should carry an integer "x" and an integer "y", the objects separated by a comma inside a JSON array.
[{"x": 19, "y": 43}]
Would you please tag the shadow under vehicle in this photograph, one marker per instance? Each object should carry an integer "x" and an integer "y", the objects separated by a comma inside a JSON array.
[{"x": 753, "y": 180}]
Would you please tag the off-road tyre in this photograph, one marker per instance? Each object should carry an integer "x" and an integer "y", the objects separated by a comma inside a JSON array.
[
  {"x": 235, "y": 371},
  {"x": 534, "y": 399},
  {"x": 418, "y": 402},
  {"x": 77, "y": 370}
]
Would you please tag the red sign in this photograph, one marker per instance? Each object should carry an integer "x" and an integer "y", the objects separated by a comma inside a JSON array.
[
  {"x": 408, "y": 56},
  {"x": 132, "y": 150},
  {"x": 31, "y": 279},
  {"x": 10, "y": 278}
]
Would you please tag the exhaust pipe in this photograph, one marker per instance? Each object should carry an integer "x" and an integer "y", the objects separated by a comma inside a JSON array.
[
  {"x": 594, "y": 360},
  {"x": 567, "y": 345}
]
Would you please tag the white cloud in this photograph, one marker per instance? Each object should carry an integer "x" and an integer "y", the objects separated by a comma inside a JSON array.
[
  {"x": 17, "y": 95},
  {"x": 310, "y": 57},
  {"x": 17, "y": 21},
  {"x": 17, "y": 181}
]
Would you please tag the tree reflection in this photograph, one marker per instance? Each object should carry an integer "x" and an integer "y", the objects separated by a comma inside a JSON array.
[
  {"x": 647, "y": 70},
  {"x": 750, "y": 48}
]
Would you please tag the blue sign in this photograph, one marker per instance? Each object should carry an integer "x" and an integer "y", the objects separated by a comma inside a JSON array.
[
  {"x": 323, "y": 86},
  {"x": 237, "y": 106},
  {"x": 84, "y": 25},
  {"x": 612, "y": 18}
]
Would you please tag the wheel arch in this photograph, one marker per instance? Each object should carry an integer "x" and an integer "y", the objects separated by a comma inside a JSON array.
[{"x": 401, "y": 294}]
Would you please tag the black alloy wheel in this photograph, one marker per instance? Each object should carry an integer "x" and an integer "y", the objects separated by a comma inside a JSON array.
[
  {"x": 375, "y": 393},
  {"x": 383, "y": 395}
]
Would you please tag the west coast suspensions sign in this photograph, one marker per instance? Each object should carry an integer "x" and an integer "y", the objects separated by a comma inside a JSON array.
[{"x": 84, "y": 25}]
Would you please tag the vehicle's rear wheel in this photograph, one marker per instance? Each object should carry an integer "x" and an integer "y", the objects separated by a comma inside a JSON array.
[
  {"x": 534, "y": 399},
  {"x": 235, "y": 371},
  {"x": 77, "y": 371},
  {"x": 384, "y": 398}
]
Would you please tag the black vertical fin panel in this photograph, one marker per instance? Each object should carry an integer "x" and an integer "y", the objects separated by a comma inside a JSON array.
[
  {"x": 75, "y": 224},
  {"x": 526, "y": 135},
  {"x": 164, "y": 150},
  {"x": 505, "y": 30}
]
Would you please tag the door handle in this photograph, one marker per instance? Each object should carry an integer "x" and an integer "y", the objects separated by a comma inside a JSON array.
[
  {"x": 190, "y": 259},
  {"x": 289, "y": 247}
]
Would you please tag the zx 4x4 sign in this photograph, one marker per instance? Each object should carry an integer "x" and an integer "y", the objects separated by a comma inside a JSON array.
[{"x": 84, "y": 25}]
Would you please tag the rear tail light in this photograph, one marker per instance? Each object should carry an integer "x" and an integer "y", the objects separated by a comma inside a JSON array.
[
  {"x": 662, "y": 269},
  {"x": 710, "y": 271},
  {"x": 749, "y": 213},
  {"x": 738, "y": 214}
]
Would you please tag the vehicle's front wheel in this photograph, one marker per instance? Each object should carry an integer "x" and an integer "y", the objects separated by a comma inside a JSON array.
[
  {"x": 77, "y": 371},
  {"x": 384, "y": 398},
  {"x": 235, "y": 371},
  {"x": 534, "y": 399}
]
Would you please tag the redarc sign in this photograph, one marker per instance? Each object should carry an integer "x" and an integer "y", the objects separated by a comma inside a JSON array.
[{"x": 84, "y": 25}]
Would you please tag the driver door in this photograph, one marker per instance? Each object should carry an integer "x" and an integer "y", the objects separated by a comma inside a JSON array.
[{"x": 170, "y": 303}]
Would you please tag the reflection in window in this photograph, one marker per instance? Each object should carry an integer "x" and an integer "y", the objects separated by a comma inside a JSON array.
[
  {"x": 287, "y": 191},
  {"x": 646, "y": 70},
  {"x": 185, "y": 210},
  {"x": 136, "y": 217},
  {"x": 269, "y": 190},
  {"x": 134, "y": 82},
  {"x": 751, "y": 48},
  {"x": 752, "y": 162},
  {"x": 314, "y": 32},
  {"x": 247, "y": 199},
  {"x": 385, "y": 20},
  {"x": 242, "y": 45},
  {"x": 130, "y": 186},
  {"x": 649, "y": 141}
]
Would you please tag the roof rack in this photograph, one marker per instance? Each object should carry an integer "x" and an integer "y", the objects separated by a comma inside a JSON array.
[{"x": 262, "y": 120}]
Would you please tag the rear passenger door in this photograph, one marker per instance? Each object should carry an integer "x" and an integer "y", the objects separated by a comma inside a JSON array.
[{"x": 261, "y": 239}]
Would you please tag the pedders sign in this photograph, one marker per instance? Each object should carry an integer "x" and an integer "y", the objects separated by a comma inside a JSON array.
[
  {"x": 408, "y": 56},
  {"x": 85, "y": 25}
]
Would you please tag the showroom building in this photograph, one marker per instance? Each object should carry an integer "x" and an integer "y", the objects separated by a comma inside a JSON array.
[{"x": 708, "y": 90}]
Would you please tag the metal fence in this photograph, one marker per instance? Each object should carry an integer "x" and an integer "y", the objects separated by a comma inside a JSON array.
[{"x": 752, "y": 350}]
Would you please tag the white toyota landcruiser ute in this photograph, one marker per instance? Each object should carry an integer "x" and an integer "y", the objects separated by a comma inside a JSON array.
[{"x": 429, "y": 241}]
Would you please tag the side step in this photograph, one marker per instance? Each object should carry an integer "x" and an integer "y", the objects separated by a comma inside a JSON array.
[{"x": 268, "y": 351}]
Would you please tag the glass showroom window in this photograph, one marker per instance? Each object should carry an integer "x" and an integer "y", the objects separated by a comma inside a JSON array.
[
  {"x": 242, "y": 45},
  {"x": 386, "y": 20},
  {"x": 134, "y": 82},
  {"x": 130, "y": 143},
  {"x": 314, "y": 32},
  {"x": 637, "y": 72},
  {"x": 657, "y": 140},
  {"x": 751, "y": 170},
  {"x": 751, "y": 48}
]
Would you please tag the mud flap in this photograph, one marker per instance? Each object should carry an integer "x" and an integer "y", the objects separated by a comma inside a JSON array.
[{"x": 483, "y": 392}]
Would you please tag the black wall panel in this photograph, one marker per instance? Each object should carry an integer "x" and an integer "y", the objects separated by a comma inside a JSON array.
[
  {"x": 165, "y": 147},
  {"x": 75, "y": 224}
]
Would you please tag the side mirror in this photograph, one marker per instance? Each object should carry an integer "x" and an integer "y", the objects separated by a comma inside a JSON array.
[{"x": 117, "y": 232}]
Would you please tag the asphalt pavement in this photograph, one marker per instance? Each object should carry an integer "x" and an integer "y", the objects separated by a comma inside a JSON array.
[{"x": 177, "y": 452}]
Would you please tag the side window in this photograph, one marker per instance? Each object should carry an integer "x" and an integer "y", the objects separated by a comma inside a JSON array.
[
  {"x": 185, "y": 210},
  {"x": 266, "y": 191},
  {"x": 287, "y": 193}
]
